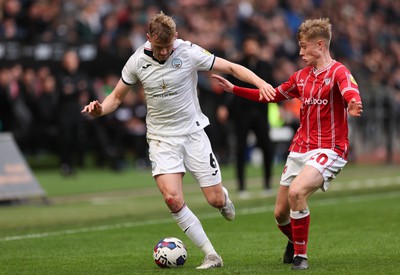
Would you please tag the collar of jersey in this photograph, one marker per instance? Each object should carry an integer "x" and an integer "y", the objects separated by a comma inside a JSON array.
[
  {"x": 324, "y": 68},
  {"x": 149, "y": 52}
]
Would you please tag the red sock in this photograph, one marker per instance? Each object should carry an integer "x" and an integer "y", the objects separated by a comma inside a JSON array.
[
  {"x": 300, "y": 234},
  {"x": 287, "y": 230}
]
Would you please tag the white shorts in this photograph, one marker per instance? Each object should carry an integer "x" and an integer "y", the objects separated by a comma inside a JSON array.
[
  {"x": 170, "y": 155},
  {"x": 326, "y": 161}
]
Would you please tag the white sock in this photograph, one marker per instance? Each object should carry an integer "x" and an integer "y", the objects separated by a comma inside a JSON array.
[
  {"x": 192, "y": 227},
  {"x": 299, "y": 214}
]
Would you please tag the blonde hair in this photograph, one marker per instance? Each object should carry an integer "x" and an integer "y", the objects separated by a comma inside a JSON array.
[
  {"x": 315, "y": 28},
  {"x": 162, "y": 27}
]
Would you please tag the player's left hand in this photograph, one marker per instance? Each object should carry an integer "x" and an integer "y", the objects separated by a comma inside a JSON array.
[
  {"x": 267, "y": 92},
  {"x": 355, "y": 108}
]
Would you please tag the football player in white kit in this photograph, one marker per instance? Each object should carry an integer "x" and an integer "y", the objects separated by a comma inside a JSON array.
[{"x": 167, "y": 68}]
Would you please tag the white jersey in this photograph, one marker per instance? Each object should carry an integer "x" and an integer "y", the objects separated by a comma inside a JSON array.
[{"x": 170, "y": 88}]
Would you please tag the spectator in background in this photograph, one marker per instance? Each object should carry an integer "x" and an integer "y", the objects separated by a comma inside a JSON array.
[
  {"x": 289, "y": 110},
  {"x": 250, "y": 116},
  {"x": 15, "y": 115},
  {"x": 127, "y": 128},
  {"x": 89, "y": 23},
  {"x": 137, "y": 128},
  {"x": 9, "y": 30},
  {"x": 212, "y": 99},
  {"x": 73, "y": 87},
  {"x": 11, "y": 19},
  {"x": 47, "y": 102}
]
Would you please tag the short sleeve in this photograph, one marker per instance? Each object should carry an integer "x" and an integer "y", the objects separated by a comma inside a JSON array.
[
  {"x": 129, "y": 71},
  {"x": 201, "y": 59}
]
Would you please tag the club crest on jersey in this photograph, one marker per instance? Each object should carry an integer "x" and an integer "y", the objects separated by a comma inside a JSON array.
[
  {"x": 176, "y": 63},
  {"x": 327, "y": 81}
]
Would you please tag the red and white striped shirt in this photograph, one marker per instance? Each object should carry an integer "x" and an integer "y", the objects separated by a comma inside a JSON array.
[{"x": 324, "y": 94}]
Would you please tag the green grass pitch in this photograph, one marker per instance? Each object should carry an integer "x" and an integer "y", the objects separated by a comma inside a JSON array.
[{"x": 101, "y": 222}]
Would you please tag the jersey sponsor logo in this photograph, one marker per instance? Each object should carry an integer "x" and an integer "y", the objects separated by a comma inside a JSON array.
[
  {"x": 315, "y": 101},
  {"x": 146, "y": 66},
  {"x": 176, "y": 63},
  {"x": 165, "y": 95},
  {"x": 353, "y": 80},
  {"x": 164, "y": 87}
]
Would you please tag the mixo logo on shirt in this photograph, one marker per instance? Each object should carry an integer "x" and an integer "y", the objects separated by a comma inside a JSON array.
[{"x": 315, "y": 101}]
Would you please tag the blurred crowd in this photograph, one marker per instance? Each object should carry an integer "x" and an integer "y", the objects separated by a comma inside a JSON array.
[{"x": 90, "y": 41}]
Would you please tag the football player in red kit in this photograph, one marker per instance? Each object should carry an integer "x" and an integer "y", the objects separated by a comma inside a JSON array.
[{"x": 319, "y": 149}]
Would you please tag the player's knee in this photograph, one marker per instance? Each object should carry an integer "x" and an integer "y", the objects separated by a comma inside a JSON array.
[
  {"x": 296, "y": 195},
  {"x": 174, "y": 203},
  {"x": 280, "y": 216},
  {"x": 217, "y": 201}
]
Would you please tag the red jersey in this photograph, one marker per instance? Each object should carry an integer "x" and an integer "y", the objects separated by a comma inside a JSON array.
[{"x": 324, "y": 96}]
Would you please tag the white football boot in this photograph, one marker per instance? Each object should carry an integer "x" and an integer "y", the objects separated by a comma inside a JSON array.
[
  {"x": 211, "y": 261},
  {"x": 228, "y": 211}
]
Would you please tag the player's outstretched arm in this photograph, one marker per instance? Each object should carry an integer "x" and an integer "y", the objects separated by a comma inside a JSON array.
[
  {"x": 355, "y": 108},
  {"x": 246, "y": 75},
  {"x": 110, "y": 103},
  {"x": 248, "y": 93}
]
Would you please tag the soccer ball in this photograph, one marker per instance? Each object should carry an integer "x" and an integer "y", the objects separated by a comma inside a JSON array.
[{"x": 170, "y": 252}]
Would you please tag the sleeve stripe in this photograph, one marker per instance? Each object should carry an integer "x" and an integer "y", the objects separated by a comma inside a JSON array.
[
  {"x": 129, "y": 84},
  {"x": 350, "y": 89},
  {"x": 285, "y": 94},
  {"x": 212, "y": 64}
]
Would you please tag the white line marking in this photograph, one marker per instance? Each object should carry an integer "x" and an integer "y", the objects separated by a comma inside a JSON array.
[{"x": 245, "y": 211}]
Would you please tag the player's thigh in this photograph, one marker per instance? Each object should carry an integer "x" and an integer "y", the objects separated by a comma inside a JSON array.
[
  {"x": 307, "y": 182},
  {"x": 201, "y": 161},
  {"x": 328, "y": 163},
  {"x": 170, "y": 186}
]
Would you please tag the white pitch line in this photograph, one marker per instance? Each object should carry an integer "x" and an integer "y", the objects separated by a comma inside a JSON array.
[{"x": 245, "y": 211}]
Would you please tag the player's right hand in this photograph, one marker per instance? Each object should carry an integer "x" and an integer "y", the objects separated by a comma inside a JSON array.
[
  {"x": 94, "y": 108},
  {"x": 225, "y": 84}
]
